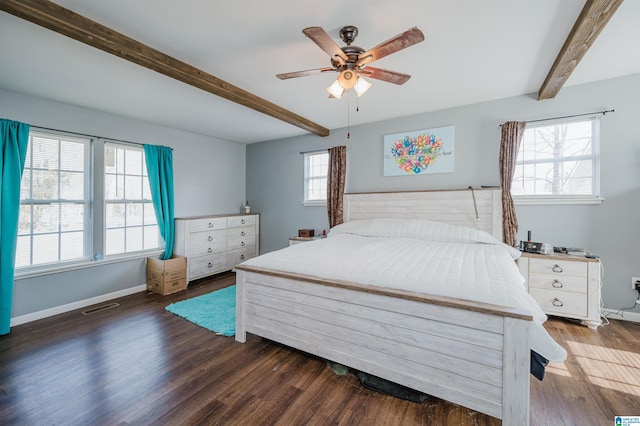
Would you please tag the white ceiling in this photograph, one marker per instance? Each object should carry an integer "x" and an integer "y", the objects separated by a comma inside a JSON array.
[{"x": 474, "y": 51}]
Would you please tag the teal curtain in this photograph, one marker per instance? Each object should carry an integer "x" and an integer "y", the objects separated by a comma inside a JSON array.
[
  {"x": 15, "y": 138},
  {"x": 160, "y": 170}
]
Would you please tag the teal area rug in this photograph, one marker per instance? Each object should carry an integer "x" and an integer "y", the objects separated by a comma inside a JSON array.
[{"x": 215, "y": 311}]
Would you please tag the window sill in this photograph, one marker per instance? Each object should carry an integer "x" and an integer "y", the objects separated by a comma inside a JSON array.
[
  {"x": 47, "y": 270},
  {"x": 531, "y": 201},
  {"x": 319, "y": 203}
]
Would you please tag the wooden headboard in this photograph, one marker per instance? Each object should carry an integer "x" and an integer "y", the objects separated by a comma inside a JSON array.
[{"x": 455, "y": 207}]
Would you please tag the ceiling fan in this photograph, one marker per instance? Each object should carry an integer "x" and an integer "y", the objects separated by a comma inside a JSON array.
[{"x": 352, "y": 62}]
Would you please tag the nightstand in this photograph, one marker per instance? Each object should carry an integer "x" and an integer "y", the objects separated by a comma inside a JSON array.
[
  {"x": 565, "y": 286},
  {"x": 299, "y": 240}
]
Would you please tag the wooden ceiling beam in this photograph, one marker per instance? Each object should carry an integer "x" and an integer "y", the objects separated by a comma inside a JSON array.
[
  {"x": 66, "y": 22},
  {"x": 594, "y": 17}
]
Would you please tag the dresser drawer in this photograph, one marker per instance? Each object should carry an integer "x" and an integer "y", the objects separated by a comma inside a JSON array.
[
  {"x": 207, "y": 265},
  {"x": 203, "y": 243},
  {"x": 240, "y": 237},
  {"x": 235, "y": 221},
  {"x": 558, "y": 267},
  {"x": 559, "y": 282},
  {"x": 241, "y": 232},
  {"x": 236, "y": 257},
  {"x": 197, "y": 225},
  {"x": 562, "y": 303}
]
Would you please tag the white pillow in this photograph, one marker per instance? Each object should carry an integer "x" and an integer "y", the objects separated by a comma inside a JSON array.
[{"x": 419, "y": 229}]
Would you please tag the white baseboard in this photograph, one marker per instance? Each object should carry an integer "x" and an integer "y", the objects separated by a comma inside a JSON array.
[
  {"x": 34, "y": 316},
  {"x": 22, "y": 319},
  {"x": 624, "y": 315}
]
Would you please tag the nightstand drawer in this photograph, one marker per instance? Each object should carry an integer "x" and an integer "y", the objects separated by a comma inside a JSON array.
[
  {"x": 561, "y": 303},
  {"x": 558, "y": 267},
  {"x": 563, "y": 285},
  {"x": 558, "y": 282}
]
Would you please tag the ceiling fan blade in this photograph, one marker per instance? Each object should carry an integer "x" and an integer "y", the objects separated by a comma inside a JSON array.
[
  {"x": 385, "y": 75},
  {"x": 304, "y": 73},
  {"x": 326, "y": 43},
  {"x": 401, "y": 41}
]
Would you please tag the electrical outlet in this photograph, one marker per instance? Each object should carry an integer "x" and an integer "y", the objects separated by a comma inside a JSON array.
[{"x": 635, "y": 283}]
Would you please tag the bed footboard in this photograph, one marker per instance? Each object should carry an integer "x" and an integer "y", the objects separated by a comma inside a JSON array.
[{"x": 470, "y": 354}]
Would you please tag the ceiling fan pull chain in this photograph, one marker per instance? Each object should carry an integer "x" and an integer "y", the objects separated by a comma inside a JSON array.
[{"x": 349, "y": 114}]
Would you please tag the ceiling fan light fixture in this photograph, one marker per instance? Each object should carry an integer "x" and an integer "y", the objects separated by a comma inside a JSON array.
[
  {"x": 362, "y": 86},
  {"x": 347, "y": 79},
  {"x": 335, "y": 90}
]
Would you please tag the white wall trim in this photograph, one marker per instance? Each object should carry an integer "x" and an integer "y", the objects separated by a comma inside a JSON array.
[
  {"x": 30, "y": 272},
  {"x": 22, "y": 319},
  {"x": 315, "y": 203},
  {"x": 626, "y": 315},
  {"x": 532, "y": 200}
]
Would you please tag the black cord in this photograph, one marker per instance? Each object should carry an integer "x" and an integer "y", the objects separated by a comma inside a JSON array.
[
  {"x": 475, "y": 206},
  {"x": 621, "y": 310}
]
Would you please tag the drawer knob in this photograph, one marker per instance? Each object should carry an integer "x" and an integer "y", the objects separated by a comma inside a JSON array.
[
  {"x": 242, "y": 256},
  {"x": 210, "y": 238},
  {"x": 242, "y": 244},
  {"x": 557, "y": 302},
  {"x": 556, "y": 284},
  {"x": 210, "y": 265},
  {"x": 210, "y": 250},
  {"x": 242, "y": 221},
  {"x": 242, "y": 233},
  {"x": 556, "y": 268},
  {"x": 210, "y": 225}
]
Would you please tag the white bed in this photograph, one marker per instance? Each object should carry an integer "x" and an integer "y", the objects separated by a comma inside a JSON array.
[{"x": 393, "y": 298}]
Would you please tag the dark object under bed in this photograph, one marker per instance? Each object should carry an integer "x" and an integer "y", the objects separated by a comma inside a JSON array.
[{"x": 374, "y": 383}]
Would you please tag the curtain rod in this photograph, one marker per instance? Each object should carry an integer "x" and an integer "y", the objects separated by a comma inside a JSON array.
[
  {"x": 570, "y": 116},
  {"x": 86, "y": 135},
  {"x": 317, "y": 150}
]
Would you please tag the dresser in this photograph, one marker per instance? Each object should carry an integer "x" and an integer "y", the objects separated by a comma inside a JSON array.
[
  {"x": 564, "y": 286},
  {"x": 217, "y": 243}
]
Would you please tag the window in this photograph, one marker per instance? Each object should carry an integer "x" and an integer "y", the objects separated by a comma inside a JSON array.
[
  {"x": 316, "y": 166},
  {"x": 130, "y": 221},
  {"x": 54, "y": 205},
  {"x": 558, "y": 162},
  {"x": 64, "y": 218}
]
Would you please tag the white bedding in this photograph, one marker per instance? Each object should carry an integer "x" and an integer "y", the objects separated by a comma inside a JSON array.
[{"x": 421, "y": 256}]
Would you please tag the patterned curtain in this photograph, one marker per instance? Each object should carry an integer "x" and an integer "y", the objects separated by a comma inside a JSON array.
[
  {"x": 512, "y": 132},
  {"x": 335, "y": 184}
]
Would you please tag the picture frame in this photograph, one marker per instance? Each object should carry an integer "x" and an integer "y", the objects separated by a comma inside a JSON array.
[{"x": 419, "y": 152}]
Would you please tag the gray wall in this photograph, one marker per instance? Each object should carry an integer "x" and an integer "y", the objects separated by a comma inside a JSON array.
[
  {"x": 209, "y": 178},
  {"x": 611, "y": 230}
]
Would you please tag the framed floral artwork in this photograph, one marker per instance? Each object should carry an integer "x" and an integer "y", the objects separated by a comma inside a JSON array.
[{"x": 419, "y": 152}]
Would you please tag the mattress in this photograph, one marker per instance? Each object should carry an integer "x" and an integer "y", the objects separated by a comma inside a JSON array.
[{"x": 420, "y": 256}]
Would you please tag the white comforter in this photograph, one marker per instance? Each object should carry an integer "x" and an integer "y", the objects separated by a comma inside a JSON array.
[{"x": 421, "y": 256}]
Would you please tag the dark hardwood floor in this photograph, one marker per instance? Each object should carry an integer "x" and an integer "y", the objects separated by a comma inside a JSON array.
[{"x": 138, "y": 364}]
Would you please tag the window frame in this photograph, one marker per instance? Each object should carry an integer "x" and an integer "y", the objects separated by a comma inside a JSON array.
[
  {"x": 147, "y": 203},
  {"x": 95, "y": 217},
  {"x": 86, "y": 202},
  {"x": 594, "y": 156},
  {"x": 307, "y": 178}
]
